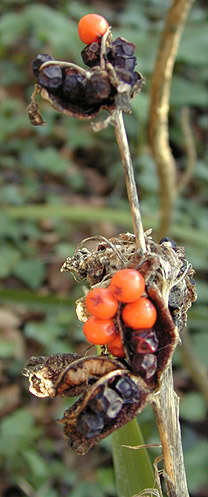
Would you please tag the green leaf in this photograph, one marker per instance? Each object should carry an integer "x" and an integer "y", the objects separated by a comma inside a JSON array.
[
  {"x": 17, "y": 431},
  {"x": 31, "y": 271},
  {"x": 196, "y": 465},
  {"x": 133, "y": 468},
  {"x": 186, "y": 92},
  {"x": 9, "y": 257},
  {"x": 192, "y": 407}
]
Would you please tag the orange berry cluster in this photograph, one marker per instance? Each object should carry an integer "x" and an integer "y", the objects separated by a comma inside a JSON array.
[{"x": 127, "y": 287}]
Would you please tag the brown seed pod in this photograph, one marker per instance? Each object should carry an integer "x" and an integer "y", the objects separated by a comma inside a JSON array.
[
  {"x": 66, "y": 374},
  {"x": 109, "y": 83},
  {"x": 169, "y": 285},
  {"x": 110, "y": 403}
]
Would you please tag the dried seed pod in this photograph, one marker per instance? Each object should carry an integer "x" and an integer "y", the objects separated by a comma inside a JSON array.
[
  {"x": 169, "y": 285},
  {"x": 66, "y": 374},
  {"x": 109, "y": 84},
  {"x": 106, "y": 406}
]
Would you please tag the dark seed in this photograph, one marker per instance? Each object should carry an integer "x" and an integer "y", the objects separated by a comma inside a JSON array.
[
  {"x": 90, "y": 424},
  {"x": 120, "y": 46},
  {"x": 146, "y": 365},
  {"x": 50, "y": 77},
  {"x": 127, "y": 63},
  {"x": 115, "y": 403},
  {"x": 144, "y": 342},
  {"x": 38, "y": 61},
  {"x": 127, "y": 389},
  {"x": 98, "y": 89},
  {"x": 73, "y": 86},
  {"x": 91, "y": 54},
  {"x": 166, "y": 239}
]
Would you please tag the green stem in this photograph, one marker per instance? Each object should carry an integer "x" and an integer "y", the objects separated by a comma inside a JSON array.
[{"x": 133, "y": 468}]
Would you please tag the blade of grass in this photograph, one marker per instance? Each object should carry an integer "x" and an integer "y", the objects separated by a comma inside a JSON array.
[
  {"x": 133, "y": 468},
  {"x": 91, "y": 215}
]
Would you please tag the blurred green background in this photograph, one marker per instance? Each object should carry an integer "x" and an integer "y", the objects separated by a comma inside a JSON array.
[{"x": 74, "y": 176}]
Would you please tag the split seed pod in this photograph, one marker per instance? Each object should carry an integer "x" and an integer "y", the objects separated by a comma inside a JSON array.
[
  {"x": 66, "y": 374},
  {"x": 108, "y": 404},
  {"x": 109, "y": 83},
  {"x": 168, "y": 284}
]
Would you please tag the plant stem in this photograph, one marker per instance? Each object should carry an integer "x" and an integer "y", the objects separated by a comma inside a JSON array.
[
  {"x": 123, "y": 145},
  {"x": 166, "y": 409},
  {"x": 159, "y": 109},
  {"x": 133, "y": 468}
]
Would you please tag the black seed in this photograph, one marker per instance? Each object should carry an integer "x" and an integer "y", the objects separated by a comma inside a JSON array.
[
  {"x": 38, "y": 61},
  {"x": 144, "y": 341},
  {"x": 50, "y": 77},
  {"x": 98, "y": 89},
  {"x": 127, "y": 389},
  {"x": 73, "y": 86},
  {"x": 91, "y": 54},
  {"x": 166, "y": 239},
  {"x": 146, "y": 365},
  {"x": 127, "y": 63},
  {"x": 90, "y": 424},
  {"x": 115, "y": 403},
  {"x": 120, "y": 46}
]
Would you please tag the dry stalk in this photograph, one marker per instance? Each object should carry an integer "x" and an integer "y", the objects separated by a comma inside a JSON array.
[
  {"x": 159, "y": 109},
  {"x": 122, "y": 142},
  {"x": 166, "y": 409},
  {"x": 166, "y": 402},
  {"x": 189, "y": 147}
]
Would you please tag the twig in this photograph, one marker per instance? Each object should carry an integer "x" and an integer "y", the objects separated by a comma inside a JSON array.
[
  {"x": 197, "y": 371},
  {"x": 190, "y": 149},
  {"x": 159, "y": 108},
  {"x": 166, "y": 409},
  {"x": 122, "y": 141}
]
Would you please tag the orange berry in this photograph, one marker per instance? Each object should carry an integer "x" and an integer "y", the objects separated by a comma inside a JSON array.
[
  {"x": 91, "y": 27},
  {"x": 127, "y": 285},
  {"x": 139, "y": 314},
  {"x": 99, "y": 331},
  {"x": 101, "y": 303},
  {"x": 116, "y": 347}
]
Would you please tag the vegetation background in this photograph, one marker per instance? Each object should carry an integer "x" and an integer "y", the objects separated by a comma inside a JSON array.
[{"x": 62, "y": 182}]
